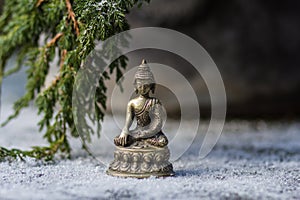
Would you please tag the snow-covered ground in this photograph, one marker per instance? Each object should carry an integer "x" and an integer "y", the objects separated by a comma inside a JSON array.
[{"x": 252, "y": 160}]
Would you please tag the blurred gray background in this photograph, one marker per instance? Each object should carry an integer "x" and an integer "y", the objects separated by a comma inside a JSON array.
[{"x": 255, "y": 45}]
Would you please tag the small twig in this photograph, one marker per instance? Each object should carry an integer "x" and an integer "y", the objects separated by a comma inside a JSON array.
[
  {"x": 62, "y": 58},
  {"x": 72, "y": 16},
  {"x": 54, "y": 82},
  {"x": 52, "y": 42},
  {"x": 39, "y": 2}
]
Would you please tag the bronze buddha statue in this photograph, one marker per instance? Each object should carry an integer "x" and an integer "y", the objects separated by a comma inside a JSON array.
[
  {"x": 147, "y": 111},
  {"x": 143, "y": 151}
]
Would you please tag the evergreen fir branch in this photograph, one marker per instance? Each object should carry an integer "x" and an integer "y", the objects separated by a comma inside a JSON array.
[
  {"x": 70, "y": 29},
  {"x": 45, "y": 153},
  {"x": 19, "y": 61},
  {"x": 71, "y": 15}
]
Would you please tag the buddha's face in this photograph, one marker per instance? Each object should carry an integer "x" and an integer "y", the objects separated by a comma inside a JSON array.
[{"x": 142, "y": 88}]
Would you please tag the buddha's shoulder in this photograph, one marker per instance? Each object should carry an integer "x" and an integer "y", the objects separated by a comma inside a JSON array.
[{"x": 136, "y": 101}]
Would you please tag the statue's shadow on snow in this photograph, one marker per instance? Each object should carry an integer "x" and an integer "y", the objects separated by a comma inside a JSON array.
[{"x": 188, "y": 172}]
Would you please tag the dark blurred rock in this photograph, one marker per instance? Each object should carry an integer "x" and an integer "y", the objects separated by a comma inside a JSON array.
[{"x": 254, "y": 43}]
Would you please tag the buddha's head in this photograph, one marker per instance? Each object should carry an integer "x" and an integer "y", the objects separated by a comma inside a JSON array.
[{"x": 144, "y": 80}]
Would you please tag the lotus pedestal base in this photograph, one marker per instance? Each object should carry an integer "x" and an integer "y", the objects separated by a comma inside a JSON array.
[{"x": 141, "y": 162}]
